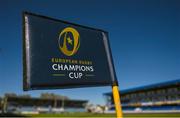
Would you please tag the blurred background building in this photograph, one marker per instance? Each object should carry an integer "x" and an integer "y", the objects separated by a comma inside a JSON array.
[
  {"x": 46, "y": 103},
  {"x": 156, "y": 98},
  {"x": 161, "y": 97}
]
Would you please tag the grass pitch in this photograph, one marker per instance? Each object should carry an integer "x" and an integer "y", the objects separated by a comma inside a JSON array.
[{"x": 87, "y": 115}]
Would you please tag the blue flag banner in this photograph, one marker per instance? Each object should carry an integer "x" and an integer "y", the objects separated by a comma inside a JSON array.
[{"x": 59, "y": 54}]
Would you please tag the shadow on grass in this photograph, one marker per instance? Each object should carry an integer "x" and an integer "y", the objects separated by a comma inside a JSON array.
[{"x": 11, "y": 115}]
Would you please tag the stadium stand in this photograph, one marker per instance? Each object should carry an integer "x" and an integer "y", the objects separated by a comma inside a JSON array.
[
  {"x": 161, "y": 97},
  {"x": 29, "y": 105}
]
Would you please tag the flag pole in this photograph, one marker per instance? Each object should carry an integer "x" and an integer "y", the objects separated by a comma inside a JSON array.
[
  {"x": 115, "y": 89},
  {"x": 117, "y": 101}
]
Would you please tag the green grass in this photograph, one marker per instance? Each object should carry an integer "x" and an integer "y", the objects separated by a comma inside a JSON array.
[{"x": 70, "y": 115}]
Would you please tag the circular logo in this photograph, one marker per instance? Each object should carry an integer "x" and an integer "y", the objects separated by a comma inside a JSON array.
[{"x": 69, "y": 41}]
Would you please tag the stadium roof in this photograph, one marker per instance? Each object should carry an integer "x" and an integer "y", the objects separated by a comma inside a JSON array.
[{"x": 148, "y": 87}]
